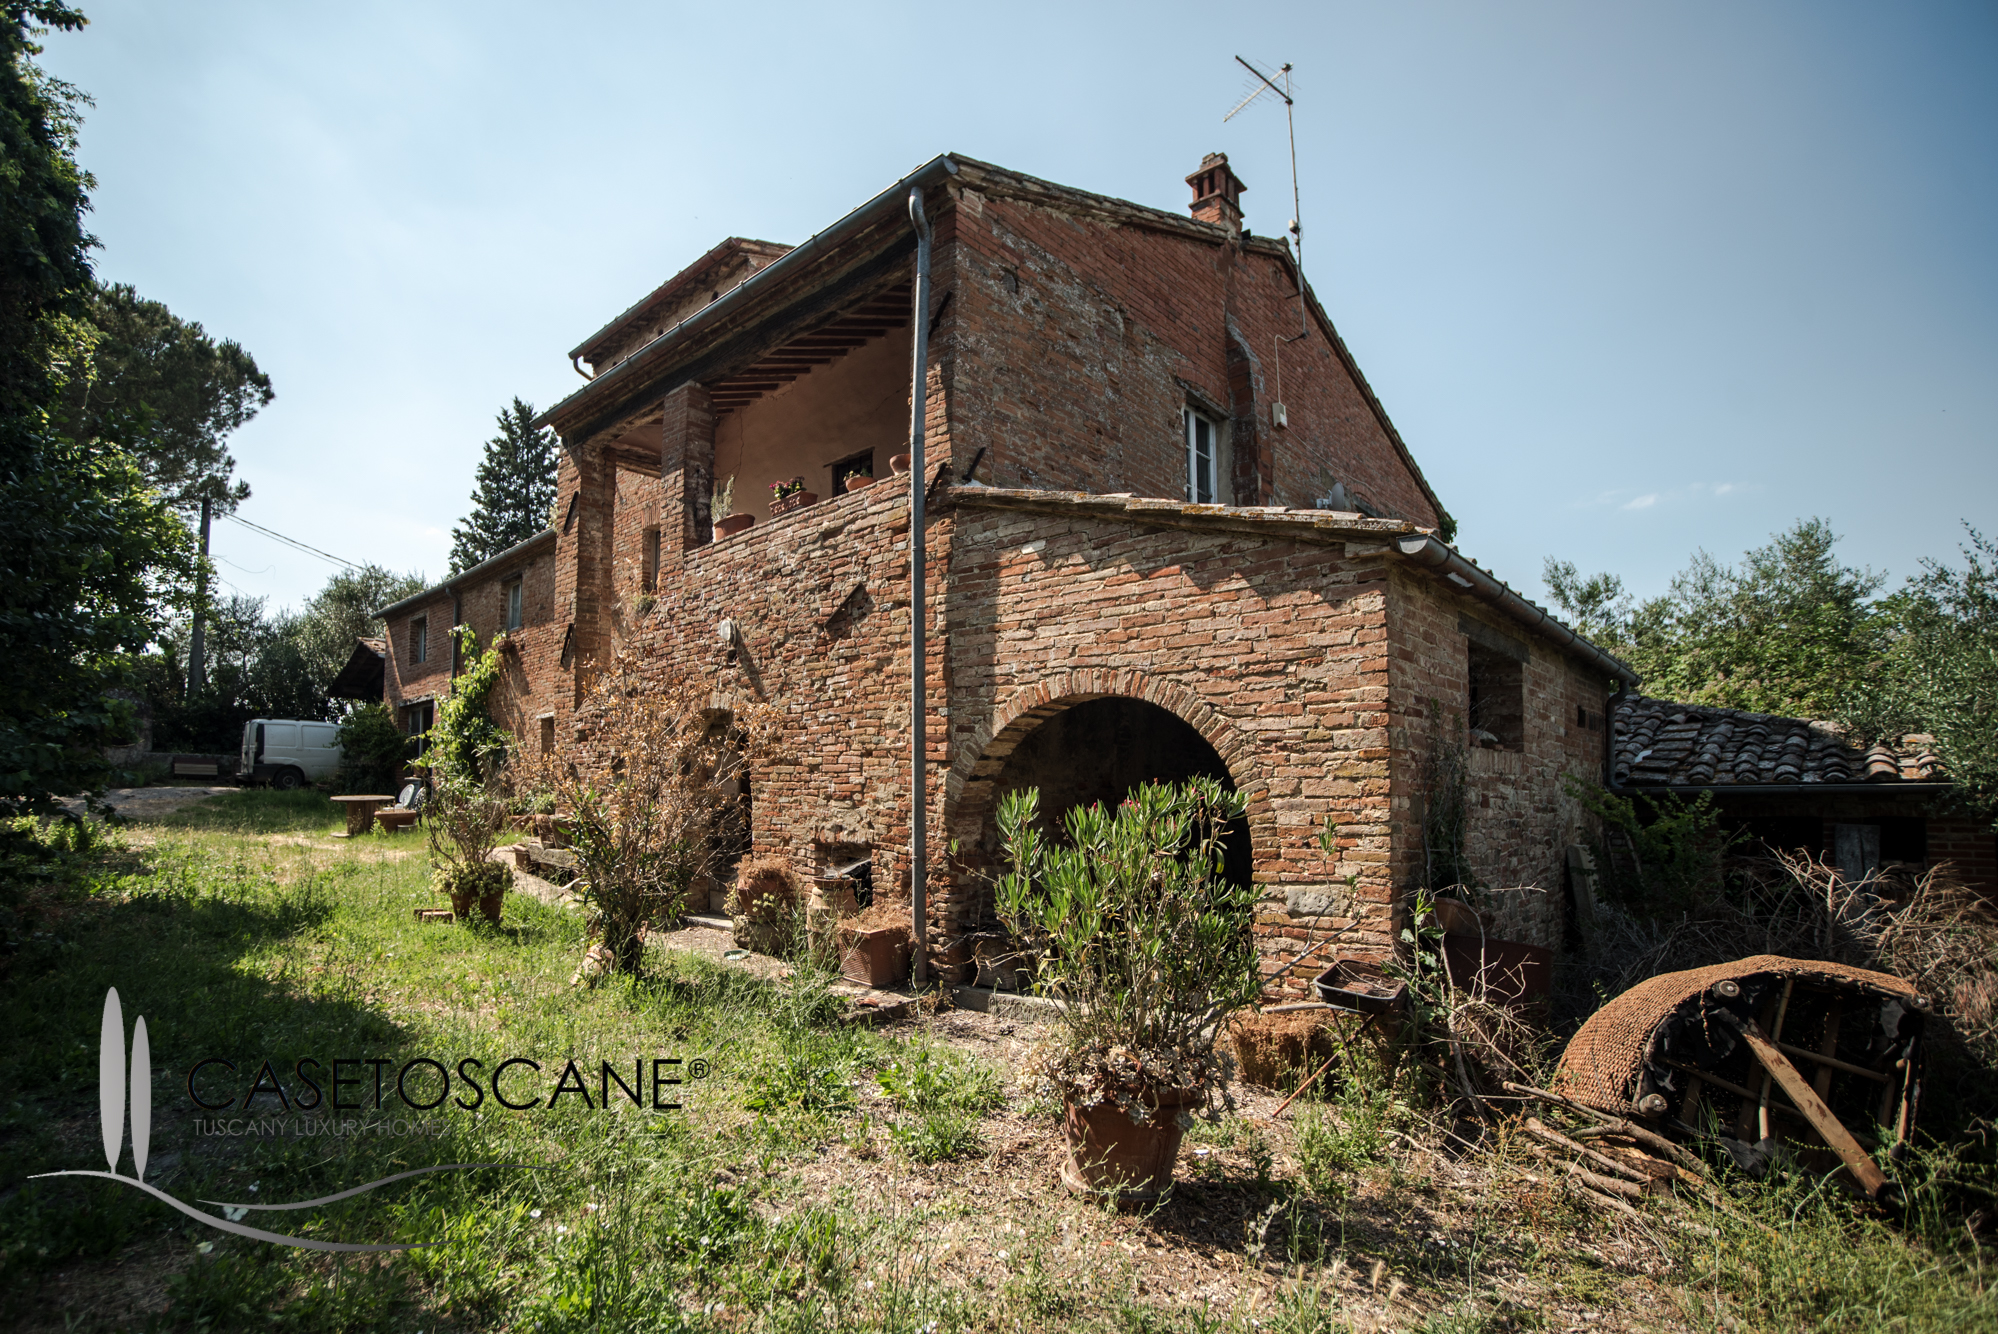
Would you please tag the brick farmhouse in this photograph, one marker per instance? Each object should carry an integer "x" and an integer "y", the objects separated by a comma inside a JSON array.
[{"x": 1170, "y": 531}]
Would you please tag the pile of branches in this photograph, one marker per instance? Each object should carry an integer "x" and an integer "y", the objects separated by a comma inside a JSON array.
[
  {"x": 1615, "y": 1165},
  {"x": 1925, "y": 926}
]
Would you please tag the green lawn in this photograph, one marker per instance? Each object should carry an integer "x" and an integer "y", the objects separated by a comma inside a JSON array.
[{"x": 819, "y": 1175}]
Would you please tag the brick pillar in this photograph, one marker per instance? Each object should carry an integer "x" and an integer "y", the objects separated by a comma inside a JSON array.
[
  {"x": 583, "y": 553},
  {"x": 686, "y": 469}
]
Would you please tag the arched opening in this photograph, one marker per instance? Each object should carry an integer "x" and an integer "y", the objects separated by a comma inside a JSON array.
[{"x": 1100, "y": 749}]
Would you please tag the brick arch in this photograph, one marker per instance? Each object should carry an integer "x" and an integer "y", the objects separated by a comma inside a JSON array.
[{"x": 970, "y": 791}]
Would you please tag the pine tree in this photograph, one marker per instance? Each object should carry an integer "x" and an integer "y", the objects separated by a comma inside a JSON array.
[{"x": 515, "y": 491}]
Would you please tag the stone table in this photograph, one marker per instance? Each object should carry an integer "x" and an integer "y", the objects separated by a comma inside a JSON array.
[{"x": 361, "y": 813}]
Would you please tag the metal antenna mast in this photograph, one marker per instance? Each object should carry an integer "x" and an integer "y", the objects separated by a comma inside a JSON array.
[{"x": 1265, "y": 84}]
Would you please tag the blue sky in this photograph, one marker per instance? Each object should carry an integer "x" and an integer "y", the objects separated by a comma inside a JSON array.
[{"x": 1630, "y": 279}]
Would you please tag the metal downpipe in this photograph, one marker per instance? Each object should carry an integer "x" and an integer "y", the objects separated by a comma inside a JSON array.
[{"x": 918, "y": 617}]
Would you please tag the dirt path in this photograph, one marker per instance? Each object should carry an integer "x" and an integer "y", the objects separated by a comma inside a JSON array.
[{"x": 150, "y": 803}]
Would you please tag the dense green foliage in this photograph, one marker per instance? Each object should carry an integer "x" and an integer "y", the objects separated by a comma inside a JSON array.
[
  {"x": 373, "y": 750},
  {"x": 1794, "y": 631},
  {"x": 466, "y": 745},
  {"x": 263, "y": 665},
  {"x": 514, "y": 491},
  {"x": 1657, "y": 856},
  {"x": 1940, "y": 673},
  {"x": 166, "y": 391},
  {"x": 88, "y": 554},
  {"x": 1790, "y": 630}
]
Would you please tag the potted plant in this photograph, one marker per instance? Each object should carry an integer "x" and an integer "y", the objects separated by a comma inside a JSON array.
[
  {"x": 1136, "y": 929},
  {"x": 855, "y": 481},
  {"x": 722, "y": 505},
  {"x": 875, "y": 945},
  {"x": 790, "y": 495}
]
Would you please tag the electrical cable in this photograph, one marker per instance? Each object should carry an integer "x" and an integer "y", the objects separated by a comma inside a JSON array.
[{"x": 291, "y": 542}]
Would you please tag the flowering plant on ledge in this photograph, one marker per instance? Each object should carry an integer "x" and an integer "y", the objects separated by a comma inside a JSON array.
[{"x": 785, "y": 490}]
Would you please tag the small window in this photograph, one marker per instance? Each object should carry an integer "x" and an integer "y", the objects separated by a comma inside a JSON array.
[
  {"x": 1497, "y": 689},
  {"x": 419, "y": 639},
  {"x": 649, "y": 576},
  {"x": 513, "y": 601},
  {"x": 548, "y": 735},
  {"x": 1203, "y": 452}
]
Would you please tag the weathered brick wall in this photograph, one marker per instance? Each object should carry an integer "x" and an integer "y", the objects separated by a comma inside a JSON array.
[
  {"x": 403, "y": 678},
  {"x": 1082, "y": 332},
  {"x": 1971, "y": 847},
  {"x": 1274, "y": 651},
  {"x": 1521, "y": 817},
  {"x": 534, "y": 685},
  {"x": 820, "y": 600}
]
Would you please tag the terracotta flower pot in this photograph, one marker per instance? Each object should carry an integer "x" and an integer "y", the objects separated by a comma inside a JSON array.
[
  {"x": 878, "y": 958},
  {"x": 1109, "y": 1154},
  {"x": 858, "y": 481},
  {"x": 492, "y": 904},
  {"x": 797, "y": 500},
  {"x": 733, "y": 524},
  {"x": 899, "y": 462}
]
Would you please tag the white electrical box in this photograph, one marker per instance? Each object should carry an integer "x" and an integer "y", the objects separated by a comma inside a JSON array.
[{"x": 1279, "y": 416}]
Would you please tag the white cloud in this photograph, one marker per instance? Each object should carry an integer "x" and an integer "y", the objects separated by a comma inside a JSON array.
[{"x": 1643, "y": 502}]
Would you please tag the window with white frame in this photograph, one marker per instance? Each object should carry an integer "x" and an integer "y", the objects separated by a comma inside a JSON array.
[
  {"x": 513, "y": 604},
  {"x": 419, "y": 639},
  {"x": 1203, "y": 458}
]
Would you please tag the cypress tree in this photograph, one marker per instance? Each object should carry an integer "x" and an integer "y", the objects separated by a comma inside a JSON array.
[{"x": 514, "y": 493}]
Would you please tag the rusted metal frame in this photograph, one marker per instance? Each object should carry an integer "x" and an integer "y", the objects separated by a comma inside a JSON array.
[
  {"x": 735, "y": 354},
  {"x": 1857, "y": 1161}
]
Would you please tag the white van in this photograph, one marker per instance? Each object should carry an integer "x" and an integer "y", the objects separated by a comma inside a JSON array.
[{"x": 288, "y": 752}]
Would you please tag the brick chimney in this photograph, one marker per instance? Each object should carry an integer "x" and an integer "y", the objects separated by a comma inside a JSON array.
[{"x": 1217, "y": 193}]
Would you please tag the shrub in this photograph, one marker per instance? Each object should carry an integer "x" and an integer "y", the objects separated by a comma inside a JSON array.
[
  {"x": 373, "y": 750},
  {"x": 1140, "y": 933},
  {"x": 1662, "y": 860},
  {"x": 644, "y": 817}
]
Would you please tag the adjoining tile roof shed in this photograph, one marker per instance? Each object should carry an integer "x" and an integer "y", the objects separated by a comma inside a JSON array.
[
  {"x": 364, "y": 673},
  {"x": 1660, "y": 743}
]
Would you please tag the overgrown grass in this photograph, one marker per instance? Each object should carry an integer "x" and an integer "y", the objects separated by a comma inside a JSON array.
[{"x": 723, "y": 1215}]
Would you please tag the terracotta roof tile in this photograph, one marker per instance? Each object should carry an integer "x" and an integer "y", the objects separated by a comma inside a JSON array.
[{"x": 1659, "y": 743}]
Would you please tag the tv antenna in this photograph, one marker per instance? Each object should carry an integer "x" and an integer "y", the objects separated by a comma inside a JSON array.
[{"x": 1265, "y": 84}]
